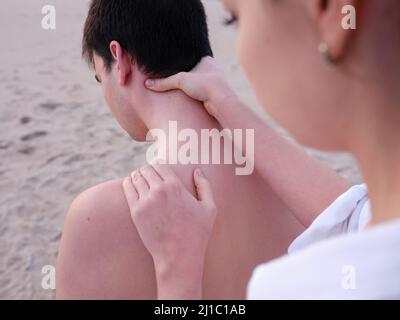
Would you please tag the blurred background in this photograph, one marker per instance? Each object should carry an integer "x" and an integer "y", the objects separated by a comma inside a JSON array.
[{"x": 57, "y": 137}]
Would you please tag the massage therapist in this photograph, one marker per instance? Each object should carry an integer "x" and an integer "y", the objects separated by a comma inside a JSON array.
[{"x": 333, "y": 89}]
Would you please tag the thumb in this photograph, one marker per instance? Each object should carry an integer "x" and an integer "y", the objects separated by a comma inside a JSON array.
[
  {"x": 203, "y": 187},
  {"x": 172, "y": 83}
]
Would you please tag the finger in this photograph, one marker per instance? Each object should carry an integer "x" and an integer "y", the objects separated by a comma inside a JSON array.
[
  {"x": 151, "y": 176},
  {"x": 130, "y": 192},
  {"x": 171, "y": 83},
  {"x": 203, "y": 187},
  {"x": 165, "y": 172},
  {"x": 140, "y": 183}
]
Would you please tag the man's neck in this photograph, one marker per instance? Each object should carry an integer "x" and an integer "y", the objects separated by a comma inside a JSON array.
[
  {"x": 162, "y": 108},
  {"x": 159, "y": 110}
]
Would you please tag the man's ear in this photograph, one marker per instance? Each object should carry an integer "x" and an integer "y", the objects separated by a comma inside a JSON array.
[
  {"x": 123, "y": 62},
  {"x": 336, "y": 20}
]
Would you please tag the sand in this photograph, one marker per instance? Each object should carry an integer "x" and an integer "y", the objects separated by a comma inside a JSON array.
[{"x": 57, "y": 137}]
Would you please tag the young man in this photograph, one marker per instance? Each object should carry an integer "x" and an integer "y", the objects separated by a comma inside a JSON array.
[{"x": 101, "y": 254}]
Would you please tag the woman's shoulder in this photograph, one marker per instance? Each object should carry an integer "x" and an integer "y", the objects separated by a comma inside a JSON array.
[
  {"x": 362, "y": 265},
  {"x": 350, "y": 212}
]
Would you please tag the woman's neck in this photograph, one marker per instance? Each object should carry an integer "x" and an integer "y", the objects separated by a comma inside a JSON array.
[
  {"x": 382, "y": 174},
  {"x": 376, "y": 145}
]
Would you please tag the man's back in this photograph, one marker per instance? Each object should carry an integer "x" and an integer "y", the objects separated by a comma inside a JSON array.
[{"x": 102, "y": 255}]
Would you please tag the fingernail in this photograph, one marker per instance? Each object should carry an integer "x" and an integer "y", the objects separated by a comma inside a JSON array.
[
  {"x": 200, "y": 173},
  {"x": 150, "y": 83}
]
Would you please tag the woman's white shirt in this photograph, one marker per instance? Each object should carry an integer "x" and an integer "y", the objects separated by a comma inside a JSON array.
[{"x": 336, "y": 257}]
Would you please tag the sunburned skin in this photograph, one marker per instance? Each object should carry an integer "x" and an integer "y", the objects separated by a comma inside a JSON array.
[{"x": 103, "y": 257}]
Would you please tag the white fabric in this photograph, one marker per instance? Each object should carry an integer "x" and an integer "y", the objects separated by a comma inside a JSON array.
[{"x": 336, "y": 257}]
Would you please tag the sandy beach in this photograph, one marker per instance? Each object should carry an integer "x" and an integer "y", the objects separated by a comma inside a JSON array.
[{"x": 57, "y": 137}]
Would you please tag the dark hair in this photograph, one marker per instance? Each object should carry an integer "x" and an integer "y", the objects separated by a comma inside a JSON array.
[{"x": 164, "y": 37}]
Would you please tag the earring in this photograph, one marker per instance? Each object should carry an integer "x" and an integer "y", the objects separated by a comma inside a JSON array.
[{"x": 323, "y": 49}]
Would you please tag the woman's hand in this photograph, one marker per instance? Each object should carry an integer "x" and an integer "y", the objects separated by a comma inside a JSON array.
[
  {"x": 174, "y": 226},
  {"x": 205, "y": 83}
]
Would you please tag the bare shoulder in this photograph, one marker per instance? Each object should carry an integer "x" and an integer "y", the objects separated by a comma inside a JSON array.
[
  {"x": 103, "y": 202},
  {"x": 101, "y": 254}
]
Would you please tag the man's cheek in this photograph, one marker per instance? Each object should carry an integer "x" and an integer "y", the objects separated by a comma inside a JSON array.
[{"x": 108, "y": 96}]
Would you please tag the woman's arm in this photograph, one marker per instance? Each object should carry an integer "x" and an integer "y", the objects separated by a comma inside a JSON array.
[{"x": 303, "y": 183}]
